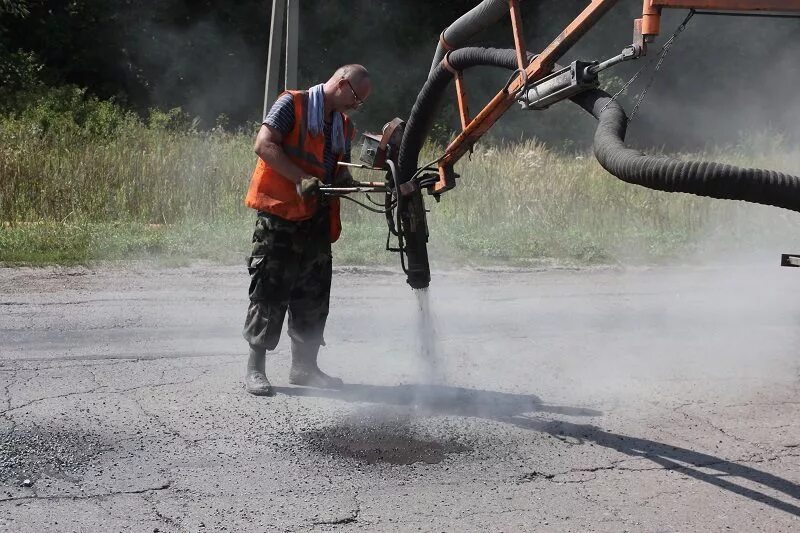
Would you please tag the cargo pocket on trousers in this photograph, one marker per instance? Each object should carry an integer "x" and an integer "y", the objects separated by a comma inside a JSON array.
[{"x": 255, "y": 267}]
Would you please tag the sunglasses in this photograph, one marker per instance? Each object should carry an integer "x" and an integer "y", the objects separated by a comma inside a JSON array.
[{"x": 359, "y": 101}]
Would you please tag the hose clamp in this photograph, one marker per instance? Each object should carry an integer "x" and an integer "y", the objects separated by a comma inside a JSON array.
[
  {"x": 446, "y": 64},
  {"x": 444, "y": 43}
]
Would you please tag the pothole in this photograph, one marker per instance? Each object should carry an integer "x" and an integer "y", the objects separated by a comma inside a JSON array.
[
  {"x": 32, "y": 453},
  {"x": 380, "y": 441}
]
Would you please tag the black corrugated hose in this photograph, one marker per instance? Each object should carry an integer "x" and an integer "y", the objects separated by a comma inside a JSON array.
[
  {"x": 715, "y": 180},
  {"x": 469, "y": 24},
  {"x": 422, "y": 114},
  {"x": 411, "y": 213},
  {"x": 703, "y": 178}
]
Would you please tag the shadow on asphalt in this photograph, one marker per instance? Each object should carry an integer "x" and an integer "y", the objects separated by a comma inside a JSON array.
[
  {"x": 516, "y": 409},
  {"x": 441, "y": 399},
  {"x": 671, "y": 457}
]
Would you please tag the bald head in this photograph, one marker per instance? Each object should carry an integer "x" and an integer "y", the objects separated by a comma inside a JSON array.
[
  {"x": 348, "y": 88},
  {"x": 354, "y": 73}
]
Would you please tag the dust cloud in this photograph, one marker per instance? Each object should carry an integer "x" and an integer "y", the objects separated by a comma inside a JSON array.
[
  {"x": 621, "y": 333},
  {"x": 724, "y": 80},
  {"x": 209, "y": 91},
  {"x": 700, "y": 100},
  {"x": 428, "y": 345}
]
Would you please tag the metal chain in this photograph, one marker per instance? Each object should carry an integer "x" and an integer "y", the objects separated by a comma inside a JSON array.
[
  {"x": 625, "y": 87},
  {"x": 664, "y": 51},
  {"x": 660, "y": 57}
]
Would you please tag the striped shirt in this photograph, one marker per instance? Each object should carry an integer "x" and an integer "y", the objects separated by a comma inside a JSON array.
[{"x": 281, "y": 117}]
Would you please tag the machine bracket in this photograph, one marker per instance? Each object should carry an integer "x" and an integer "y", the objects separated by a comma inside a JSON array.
[
  {"x": 560, "y": 85},
  {"x": 790, "y": 260}
]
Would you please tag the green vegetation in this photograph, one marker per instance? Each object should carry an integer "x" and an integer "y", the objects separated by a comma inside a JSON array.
[
  {"x": 82, "y": 180},
  {"x": 209, "y": 58}
]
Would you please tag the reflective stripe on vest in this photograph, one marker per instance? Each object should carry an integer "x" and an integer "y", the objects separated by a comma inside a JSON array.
[{"x": 271, "y": 192}]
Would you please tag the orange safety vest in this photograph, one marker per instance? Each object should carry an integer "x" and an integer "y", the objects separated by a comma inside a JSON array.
[{"x": 271, "y": 192}]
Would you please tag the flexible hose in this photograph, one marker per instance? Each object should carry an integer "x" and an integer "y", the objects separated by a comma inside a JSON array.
[
  {"x": 411, "y": 214},
  {"x": 412, "y": 236},
  {"x": 422, "y": 114},
  {"x": 710, "y": 179},
  {"x": 714, "y": 180},
  {"x": 467, "y": 25}
]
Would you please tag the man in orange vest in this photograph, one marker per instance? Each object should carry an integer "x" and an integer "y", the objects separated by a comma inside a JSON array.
[{"x": 302, "y": 139}]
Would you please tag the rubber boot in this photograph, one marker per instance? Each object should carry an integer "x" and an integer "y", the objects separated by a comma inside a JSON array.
[
  {"x": 256, "y": 381},
  {"x": 305, "y": 370}
]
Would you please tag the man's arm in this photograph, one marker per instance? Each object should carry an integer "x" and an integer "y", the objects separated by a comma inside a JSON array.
[
  {"x": 269, "y": 148},
  {"x": 343, "y": 178}
]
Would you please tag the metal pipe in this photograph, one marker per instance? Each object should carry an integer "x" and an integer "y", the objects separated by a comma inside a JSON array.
[
  {"x": 519, "y": 41},
  {"x": 728, "y": 5},
  {"x": 350, "y": 190},
  {"x": 359, "y": 165},
  {"x": 627, "y": 54},
  {"x": 540, "y": 66}
]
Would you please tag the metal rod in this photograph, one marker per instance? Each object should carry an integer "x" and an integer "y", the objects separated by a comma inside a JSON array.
[
  {"x": 736, "y": 14},
  {"x": 357, "y": 165},
  {"x": 516, "y": 27},
  {"x": 351, "y": 190},
  {"x": 540, "y": 66},
  {"x": 461, "y": 93},
  {"x": 728, "y": 5},
  {"x": 627, "y": 54}
]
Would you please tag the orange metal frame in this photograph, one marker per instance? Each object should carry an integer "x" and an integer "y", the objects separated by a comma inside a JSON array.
[{"x": 645, "y": 30}]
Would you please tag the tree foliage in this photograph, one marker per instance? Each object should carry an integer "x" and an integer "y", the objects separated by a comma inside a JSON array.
[{"x": 208, "y": 57}]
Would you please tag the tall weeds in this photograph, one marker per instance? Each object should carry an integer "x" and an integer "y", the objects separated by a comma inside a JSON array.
[{"x": 117, "y": 187}]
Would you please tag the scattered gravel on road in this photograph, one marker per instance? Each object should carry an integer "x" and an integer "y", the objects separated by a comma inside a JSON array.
[{"x": 28, "y": 454}]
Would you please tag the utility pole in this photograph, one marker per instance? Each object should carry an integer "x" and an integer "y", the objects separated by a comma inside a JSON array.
[{"x": 288, "y": 11}]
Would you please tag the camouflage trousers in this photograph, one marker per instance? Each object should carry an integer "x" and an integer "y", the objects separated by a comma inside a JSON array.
[{"x": 290, "y": 269}]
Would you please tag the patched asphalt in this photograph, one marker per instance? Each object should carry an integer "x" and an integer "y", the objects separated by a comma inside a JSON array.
[{"x": 647, "y": 399}]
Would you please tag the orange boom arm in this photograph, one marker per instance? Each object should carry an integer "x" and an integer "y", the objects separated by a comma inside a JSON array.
[{"x": 645, "y": 30}]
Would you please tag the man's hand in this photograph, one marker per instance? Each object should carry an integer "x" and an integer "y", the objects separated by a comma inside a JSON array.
[{"x": 309, "y": 187}]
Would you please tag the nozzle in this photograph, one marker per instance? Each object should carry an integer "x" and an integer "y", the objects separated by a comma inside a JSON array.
[
  {"x": 419, "y": 278},
  {"x": 415, "y": 235}
]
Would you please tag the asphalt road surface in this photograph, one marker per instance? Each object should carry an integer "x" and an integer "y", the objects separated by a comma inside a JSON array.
[{"x": 564, "y": 400}]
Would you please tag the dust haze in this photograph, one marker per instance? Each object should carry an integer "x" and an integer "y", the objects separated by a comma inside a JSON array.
[
  {"x": 725, "y": 79},
  {"x": 715, "y": 92},
  {"x": 620, "y": 398},
  {"x": 726, "y": 87},
  {"x": 634, "y": 386}
]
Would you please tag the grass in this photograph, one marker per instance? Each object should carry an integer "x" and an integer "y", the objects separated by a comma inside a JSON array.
[
  {"x": 154, "y": 192},
  {"x": 49, "y": 242}
]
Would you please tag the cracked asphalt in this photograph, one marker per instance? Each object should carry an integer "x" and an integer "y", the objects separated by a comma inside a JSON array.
[{"x": 652, "y": 399}]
